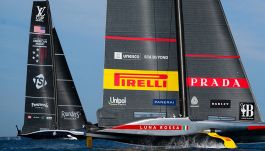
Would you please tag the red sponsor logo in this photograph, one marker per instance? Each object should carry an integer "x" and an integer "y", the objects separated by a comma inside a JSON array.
[
  {"x": 153, "y": 127},
  {"x": 217, "y": 82},
  {"x": 140, "y": 80}
]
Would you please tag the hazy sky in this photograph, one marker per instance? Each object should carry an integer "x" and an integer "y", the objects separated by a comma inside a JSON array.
[{"x": 81, "y": 28}]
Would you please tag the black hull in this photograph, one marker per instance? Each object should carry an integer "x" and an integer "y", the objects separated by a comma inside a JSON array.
[
  {"x": 54, "y": 135},
  {"x": 200, "y": 138}
]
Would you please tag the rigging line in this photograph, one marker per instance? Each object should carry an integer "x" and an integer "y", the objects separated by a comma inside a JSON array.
[{"x": 154, "y": 17}]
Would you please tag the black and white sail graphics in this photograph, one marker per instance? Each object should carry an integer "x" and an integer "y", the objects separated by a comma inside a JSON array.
[
  {"x": 218, "y": 88},
  {"x": 51, "y": 101},
  {"x": 40, "y": 98},
  {"x": 141, "y": 65},
  {"x": 70, "y": 112}
]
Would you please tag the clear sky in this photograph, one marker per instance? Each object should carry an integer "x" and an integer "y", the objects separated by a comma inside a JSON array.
[{"x": 81, "y": 28}]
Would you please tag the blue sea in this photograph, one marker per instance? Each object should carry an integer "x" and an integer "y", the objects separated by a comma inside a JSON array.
[{"x": 24, "y": 144}]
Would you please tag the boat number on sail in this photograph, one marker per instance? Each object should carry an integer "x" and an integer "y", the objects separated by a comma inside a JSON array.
[
  {"x": 247, "y": 111},
  {"x": 70, "y": 115},
  {"x": 217, "y": 82},
  {"x": 39, "y": 81},
  {"x": 117, "y": 101},
  {"x": 141, "y": 80},
  {"x": 40, "y": 16}
]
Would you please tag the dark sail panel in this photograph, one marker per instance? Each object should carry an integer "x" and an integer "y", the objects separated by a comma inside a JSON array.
[
  {"x": 141, "y": 65},
  {"x": 218, "y": 88},
  {"x": 39, "y": 100},
  {"x": 70, "y": 112}
]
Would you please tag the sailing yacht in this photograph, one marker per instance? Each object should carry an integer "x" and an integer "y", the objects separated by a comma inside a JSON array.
[
  {"x": 172, "y": 70},
  {"x": 52, "y": 105}
]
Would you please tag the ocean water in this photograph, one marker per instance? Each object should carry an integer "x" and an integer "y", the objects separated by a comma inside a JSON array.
[{"x": 24, "y": 144}]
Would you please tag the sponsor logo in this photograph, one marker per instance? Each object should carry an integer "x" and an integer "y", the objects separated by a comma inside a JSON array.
[
  {"x": 154, "y": 57},
  {"x": 220, "y": 103},
  {"x": 49, "y": 118},
  {"x": 39, "y": 29},
  {"x": 70, "y": 115},
  {"x": 141, "y": 80},
  {"x": 39, "y": 42},
  {"x": 117, "y": 101},
  {"x": 39, "y": 105},
  {"x": 154, "y": 127},
  {"x": 127, "y": 56},
  {"x": 218, "y": 82},
  {"x": 40, "y": 16},
  {"x": 39, "y": 55},
  {"x": 166, "y": 102},
  {"x": 246, "y": 111},
  {"x": 194, "y": 102},
  {"x": 39, "y": 81},
  {"x": 29, "y": 117}
]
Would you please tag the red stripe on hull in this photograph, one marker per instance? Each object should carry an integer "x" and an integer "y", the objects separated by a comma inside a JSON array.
[
  {"x": 211, "y": 56},
  {"x": 150, "y": 127},
  {"x": 256, "y": 128},
  {"x": 141, "y": 39}
]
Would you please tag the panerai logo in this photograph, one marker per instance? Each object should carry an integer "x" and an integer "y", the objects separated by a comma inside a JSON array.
[
  {"x": 117, "y": 101},
  {"x": 40, "y": 16},
  {"x": 39, "y": 105},
  {"x": 247, "y": 111},
  {"x": 39, "y": 81},
  {"x": 70, "y": 115}
]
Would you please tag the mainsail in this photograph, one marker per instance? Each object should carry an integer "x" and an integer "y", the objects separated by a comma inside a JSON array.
[
  {"x": 40, "y": 97},
  {"x": 218, "y": 88},
  {"x": 143, "y": 75},
  {"x": 141, "y": 65},
  {"x": 51, "y": 101}
]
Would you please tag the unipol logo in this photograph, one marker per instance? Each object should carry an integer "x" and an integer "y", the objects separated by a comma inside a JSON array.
[
  {"x": 40, "y": 16},
  {"x": 117, "y": 101},
  {"x": 70, "y": 115},
  {"x": 246, "y": 111},
  {"x": 217, "y": 82},
  {"x": 39, "y": 81}
]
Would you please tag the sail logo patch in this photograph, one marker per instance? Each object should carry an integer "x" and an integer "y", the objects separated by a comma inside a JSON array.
[
  {"x": 127, "y": 56},
  {"x": 194, "y": 102},
  {"x": 141, "y": 80},
  {"x": 164, "y": 102},
  {"x": 39, "y": 29},
  {"x": 40, "y": 16},
  {"x": 217, "y": 82},
  {"x": 39, "y": 81},
  {"x": 247, "y": 111},
  {"x": 220, "y": 103},
  {"x": 39, "y": 105},
  {"x": 39, "y": 42},
  {"x": 40, "y": 54},
  {"x": 117, "y": 101},
  {"x": 70, "y": 115}
]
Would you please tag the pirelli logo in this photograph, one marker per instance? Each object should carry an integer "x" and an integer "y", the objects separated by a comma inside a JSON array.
[{"x": 141, "y": 80}]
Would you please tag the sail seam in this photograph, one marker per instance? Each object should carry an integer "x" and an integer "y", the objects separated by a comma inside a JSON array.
[
  {"x": 38, "y": 33},
  {"x": 38, "y": 97},
  {"x": 40, "y": 65},
  {"x": 39, "y": 113}
]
